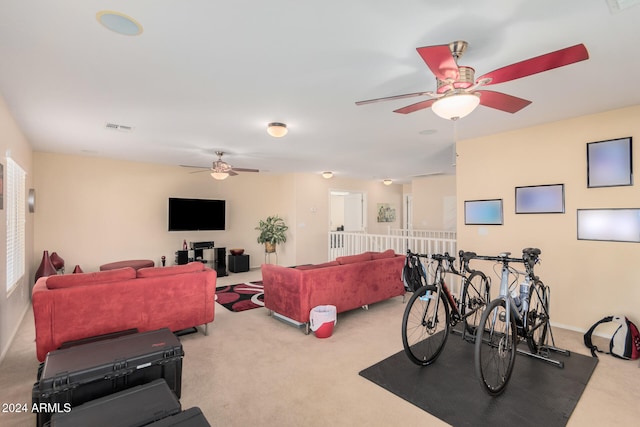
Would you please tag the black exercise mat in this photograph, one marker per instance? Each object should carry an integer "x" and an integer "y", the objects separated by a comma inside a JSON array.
[{"x": 538, "y": 394}]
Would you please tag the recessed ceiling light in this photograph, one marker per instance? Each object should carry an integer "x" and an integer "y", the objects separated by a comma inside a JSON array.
[{"x": 119, "y": 23}]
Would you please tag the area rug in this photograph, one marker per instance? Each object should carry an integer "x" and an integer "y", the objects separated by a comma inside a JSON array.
[
  {"x": 241, "y": 297},
  {"x": 538, "y": 394}
]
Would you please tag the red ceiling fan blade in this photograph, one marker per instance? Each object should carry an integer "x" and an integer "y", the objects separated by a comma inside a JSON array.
[
  {"x": 541, "y": 63},
  {"x": 440, "y": 61},
  {"x": 415, "y": 107},
  {"x": 502, "y": 101},
  {"x": 389, "y": 98}
]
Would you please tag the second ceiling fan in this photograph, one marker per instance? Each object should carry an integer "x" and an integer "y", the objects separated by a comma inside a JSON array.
[
  {"x": 458, "y": 93},
  {"x": 222, "y": 170}
]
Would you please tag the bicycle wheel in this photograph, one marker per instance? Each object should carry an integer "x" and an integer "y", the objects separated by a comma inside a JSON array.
[
  {"x": 425, "y": 331},
  {"x": 495, "y": 351},
  {"x": 537, "y": 317},
  {"x": 475, "y": 296}
]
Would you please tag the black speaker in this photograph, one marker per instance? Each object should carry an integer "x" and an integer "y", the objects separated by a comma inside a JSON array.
[
  {"x": 182, "y": 257},
  {"x": 220, "y": 262}
]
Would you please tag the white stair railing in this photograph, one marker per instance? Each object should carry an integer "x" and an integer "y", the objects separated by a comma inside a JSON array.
[{"x": 345, "y": 243}]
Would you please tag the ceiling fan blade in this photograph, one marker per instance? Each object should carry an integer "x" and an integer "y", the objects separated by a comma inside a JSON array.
[
  {"x": 440, "y": 61},
  {"x": 232, "y": 173},
  {"x": 415, "y": 107},
  {"x": 502, "y": 101},
  {"x": 541, "y": 63},
  {"x": 244, "y": 170},
  {"x": 389, "y": 98}
]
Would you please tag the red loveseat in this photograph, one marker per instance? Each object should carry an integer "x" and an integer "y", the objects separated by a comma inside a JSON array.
[
  {"x": 76, "y": 306},
  {"x": 349, "y": 282}
]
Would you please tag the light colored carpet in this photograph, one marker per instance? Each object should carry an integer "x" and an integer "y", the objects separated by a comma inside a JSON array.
[{"x": 254, "y": 370}]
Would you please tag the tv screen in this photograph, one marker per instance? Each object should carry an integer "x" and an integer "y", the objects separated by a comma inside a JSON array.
[
  {"x": 196, "y": 214},
  {"x": 540, "y": 199},
  {"x": 483, "y": 212}
]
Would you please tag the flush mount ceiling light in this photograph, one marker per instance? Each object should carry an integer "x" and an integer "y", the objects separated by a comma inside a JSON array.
[
  {"x": 277, "y": 130},
  {"x": 119, "y": 23},
  {"x": 456, "y": 106},
  {"x": 327, "y": 175},
  {"x": 387, "y": 182}
]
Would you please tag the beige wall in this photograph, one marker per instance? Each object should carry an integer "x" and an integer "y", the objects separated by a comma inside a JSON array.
[
  {"x": 93, "y": 210},
  {"x": 588, "y": 279},
  {"x": 313, "y": 211},
  {"x": 429, "y": 207},
  {"x": 13, "y": 305}
]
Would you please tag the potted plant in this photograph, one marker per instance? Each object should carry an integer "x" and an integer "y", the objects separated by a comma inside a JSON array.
[{"x": 272, "y": 231}]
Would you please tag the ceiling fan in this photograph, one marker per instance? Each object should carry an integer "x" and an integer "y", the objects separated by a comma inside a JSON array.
[
  {"x": 222, "y": 170},
  {"x": 458, "y": 93}
]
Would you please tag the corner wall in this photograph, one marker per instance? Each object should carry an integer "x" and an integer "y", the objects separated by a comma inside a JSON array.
[
  {"x": 588, "y": 279},
  {"x": 13, "y": 305}
]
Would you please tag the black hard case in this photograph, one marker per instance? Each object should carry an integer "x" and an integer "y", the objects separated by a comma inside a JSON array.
[
  {"x": 192, "y": 417},
  {"x": 133, "y": 407},
  {"x": 82, "y": 373}
]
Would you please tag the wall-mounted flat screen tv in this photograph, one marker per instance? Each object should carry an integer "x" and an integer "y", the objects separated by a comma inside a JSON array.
[
  {"x": 540, "y": 199},
  {"x": 614, "y": 225},
  {"x": 483, "y": 212},
  {"x": 196, "y": 214}
]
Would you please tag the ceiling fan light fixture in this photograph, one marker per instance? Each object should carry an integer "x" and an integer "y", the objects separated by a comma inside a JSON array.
[
  {"x": 387, "y": 182},
  {"x": 220, "y": 175},
  {"x": 277, "y": 130},
  {"x": 456, "y": 106},
  {"x": 327, "y": 175}
]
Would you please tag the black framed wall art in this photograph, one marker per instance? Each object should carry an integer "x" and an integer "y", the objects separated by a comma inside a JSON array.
[
  {"x": 483, "y": 212},
  {"x": 540, "y": 199},
  {"x": 609, "y": 163},
  {"x": 613, "y": 225}
]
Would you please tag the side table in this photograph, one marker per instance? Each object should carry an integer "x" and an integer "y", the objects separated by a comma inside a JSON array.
[{"x": 238, "y": 263}]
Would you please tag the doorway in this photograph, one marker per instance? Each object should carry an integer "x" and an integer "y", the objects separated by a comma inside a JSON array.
[{"x": 348, "y": 210}]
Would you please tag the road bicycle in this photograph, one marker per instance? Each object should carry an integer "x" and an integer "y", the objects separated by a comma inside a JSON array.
[
  {"x": 433, "y": 310},
  {"x": 515, "y": 316}
]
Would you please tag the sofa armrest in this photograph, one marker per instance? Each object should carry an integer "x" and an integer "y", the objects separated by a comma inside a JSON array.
[
  {"x": 285, "y": 292},
  {"x": 42, "y": 315}
]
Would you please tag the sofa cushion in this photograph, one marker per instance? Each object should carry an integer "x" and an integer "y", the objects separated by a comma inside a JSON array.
[
  {"x": 173, "y": 269},
  {"x": 81, "y": 279},
  {"x": 314, "y": 266},
  {"x": 389, "y": 253},
  {"x": 351, "y": 259}
]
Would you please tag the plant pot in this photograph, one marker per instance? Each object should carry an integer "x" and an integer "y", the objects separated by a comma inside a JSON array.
[{"x": 269, "y": 247}]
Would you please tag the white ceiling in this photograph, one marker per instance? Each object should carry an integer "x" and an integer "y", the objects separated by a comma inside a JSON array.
[{"x": 208, "y": 75}]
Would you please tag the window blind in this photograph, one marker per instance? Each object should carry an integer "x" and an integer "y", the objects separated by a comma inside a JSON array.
[{"x": 16, "y": 217}]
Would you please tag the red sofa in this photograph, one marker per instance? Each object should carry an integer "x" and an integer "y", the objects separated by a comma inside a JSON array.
[
  {"x": 348, "y": 282},
  {"x": 76, "y": 306}
]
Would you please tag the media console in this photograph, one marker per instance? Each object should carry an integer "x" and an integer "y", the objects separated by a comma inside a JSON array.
[{"x": 198, "y": 248}]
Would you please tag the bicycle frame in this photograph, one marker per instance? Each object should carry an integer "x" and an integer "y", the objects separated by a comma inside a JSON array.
[
  {"x": 439, "y": 275},
  {"x": 521, "y": 315}
]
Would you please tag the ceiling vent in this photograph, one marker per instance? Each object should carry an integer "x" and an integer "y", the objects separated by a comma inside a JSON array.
[
  {"x": 616, "y": 6},
  {"x": 121, "y": 128}
]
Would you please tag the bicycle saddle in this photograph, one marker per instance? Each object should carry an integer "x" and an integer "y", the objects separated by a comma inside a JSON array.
[
  {"x": 466, "y": 256},
  {"x": 531, "y": 251}
]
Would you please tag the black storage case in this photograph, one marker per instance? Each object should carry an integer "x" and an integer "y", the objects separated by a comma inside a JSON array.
[
  {"x": 133, "y": 407},
  {"x": 86, "y": 372},
  {"x": 192, "y": 417}
]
